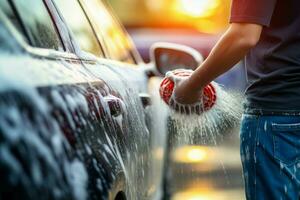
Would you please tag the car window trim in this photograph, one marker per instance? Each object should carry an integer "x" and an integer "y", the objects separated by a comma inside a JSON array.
[
  {"x": 49, "y": 54},
  {"x": 71, "y": 39},
  {"x": 133, "y": 52},
  {"x": 35, "y": 51},
  {"x": 92, "y": 27},
  {"x": 102, "y": 39},
  {"x": 61, "y": 26},
  {"x": 56, "y": 25},
  {"x": 12, "y": 4},
  {"x": 24, "y": 30}
]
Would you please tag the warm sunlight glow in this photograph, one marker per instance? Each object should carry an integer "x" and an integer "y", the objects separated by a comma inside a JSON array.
[
  {"x": 197, "y": 8},
  {"x": 191, "y": 154},
  {"x": 199, "y": 193},
  {"x": 195, "y": 194},
  {"x": 158, "y": 153},
  {"x": 196, "y": 155}
]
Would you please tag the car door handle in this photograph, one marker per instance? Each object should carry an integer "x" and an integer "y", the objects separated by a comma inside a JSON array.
[
  {"x": 146, "y": 99},
  {"x": 115, "y": 104}
]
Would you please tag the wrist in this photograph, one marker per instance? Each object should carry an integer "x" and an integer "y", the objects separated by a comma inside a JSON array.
[{"x": 194, "y": 86}]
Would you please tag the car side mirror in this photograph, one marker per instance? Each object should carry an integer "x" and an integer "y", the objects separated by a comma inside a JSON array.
[{"x": 169, "y": 56}]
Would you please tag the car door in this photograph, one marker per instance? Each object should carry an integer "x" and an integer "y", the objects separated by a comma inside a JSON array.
[
  {"x": 119, "y": 47},
  {"x": 58, "y": 135},
  {"x": 130, "y": 83}
]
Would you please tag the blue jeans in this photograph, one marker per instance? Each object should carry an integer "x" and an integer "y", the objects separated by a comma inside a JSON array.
[{"x": 270, "y": 153}]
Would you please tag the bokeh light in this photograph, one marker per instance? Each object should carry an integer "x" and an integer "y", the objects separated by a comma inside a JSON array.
[
  {"x": 207, "y": 16},
  {"x": 191, "y": 154},
  {"x": 197, "y": 8}
]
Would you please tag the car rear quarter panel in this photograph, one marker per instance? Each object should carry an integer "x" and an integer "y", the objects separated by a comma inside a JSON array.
[{"x": 60, "y": 104}]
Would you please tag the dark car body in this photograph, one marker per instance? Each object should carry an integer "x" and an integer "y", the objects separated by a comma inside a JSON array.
[{"x": 76, "y": 120}]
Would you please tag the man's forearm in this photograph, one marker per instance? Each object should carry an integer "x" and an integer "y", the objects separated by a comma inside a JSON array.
[{"x": 231, "y": 48}]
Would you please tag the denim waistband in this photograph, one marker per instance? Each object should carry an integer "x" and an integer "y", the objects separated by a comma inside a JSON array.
[{"x": 261, "y": 111}]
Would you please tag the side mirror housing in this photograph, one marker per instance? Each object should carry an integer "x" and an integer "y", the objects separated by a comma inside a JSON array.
[{"x": 170, "y": 56}]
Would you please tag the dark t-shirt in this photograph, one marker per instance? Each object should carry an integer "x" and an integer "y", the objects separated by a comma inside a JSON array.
[{"x": 273, "y": 66}]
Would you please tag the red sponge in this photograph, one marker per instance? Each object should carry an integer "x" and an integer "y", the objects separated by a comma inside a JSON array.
[{"x": 167, "y": 87}]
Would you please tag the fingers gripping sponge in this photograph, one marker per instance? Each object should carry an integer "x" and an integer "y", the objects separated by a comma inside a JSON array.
[{"x": 167, "y": 86}]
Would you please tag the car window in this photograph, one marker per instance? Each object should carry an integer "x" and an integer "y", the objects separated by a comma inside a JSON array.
[
  {"x": 6, "y": 8},
  {"x": 79, "y": 25},
  {"x": 37, "y": 24},
  {"x": 117, "y": 44}
]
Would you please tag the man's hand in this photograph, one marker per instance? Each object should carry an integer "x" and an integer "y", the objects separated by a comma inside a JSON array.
[
  {"x": 182, "y": 93},
  {"x": 231, "y": 48}
]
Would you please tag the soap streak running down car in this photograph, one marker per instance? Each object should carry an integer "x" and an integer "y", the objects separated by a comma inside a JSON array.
[
  {"x": 73, "y": 105},
  {"x": 76, "y": 119}
]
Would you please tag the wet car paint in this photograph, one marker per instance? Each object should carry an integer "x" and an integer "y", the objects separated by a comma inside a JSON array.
[{"x": 96, "y": 111}]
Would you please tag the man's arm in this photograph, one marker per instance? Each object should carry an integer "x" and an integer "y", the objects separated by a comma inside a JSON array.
[{"x": 231, "y": 48}]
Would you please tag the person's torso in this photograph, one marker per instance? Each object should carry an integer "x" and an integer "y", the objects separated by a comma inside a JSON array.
[{"x": 273, "y": 66}]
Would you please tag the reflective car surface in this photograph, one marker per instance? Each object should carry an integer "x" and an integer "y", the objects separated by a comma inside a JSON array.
[{"x": 76, "y": 119}]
